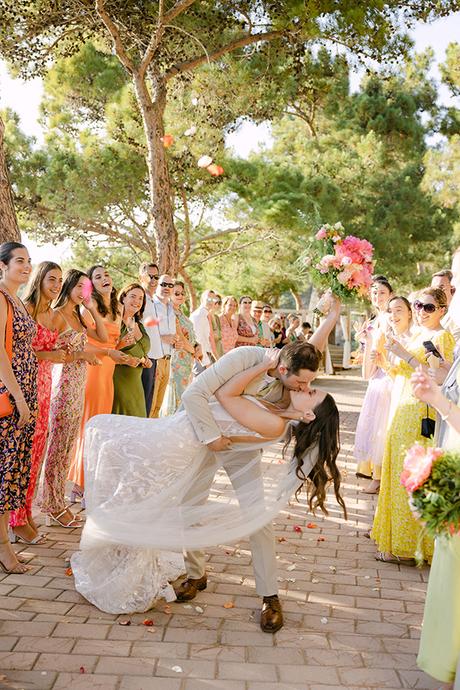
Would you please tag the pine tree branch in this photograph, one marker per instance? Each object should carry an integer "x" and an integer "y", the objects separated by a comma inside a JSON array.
[
  {"x": 116, "y": 38},
  {"x": 190, "y": 65}
]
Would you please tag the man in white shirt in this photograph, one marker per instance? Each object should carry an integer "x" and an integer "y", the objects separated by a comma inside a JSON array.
[
  {"x": 148, "y": 276},
  {"x": 443, "y": 279},
  {"x": 162, "y": 339},
  {"x": 202, "y": 326}
]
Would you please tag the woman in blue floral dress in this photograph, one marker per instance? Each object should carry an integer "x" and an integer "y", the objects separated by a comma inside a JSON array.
[
  {"x": 182, "y": 358},
  {"x": 18, "y": 377}
]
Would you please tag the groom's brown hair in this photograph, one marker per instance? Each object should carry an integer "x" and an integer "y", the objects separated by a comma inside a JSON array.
[{"x": 298, "y": 356}]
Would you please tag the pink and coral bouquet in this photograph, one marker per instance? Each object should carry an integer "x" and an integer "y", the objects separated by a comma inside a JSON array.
[
  {"x": 431, "y": 477},
  {"x": 342, "y": 263}
]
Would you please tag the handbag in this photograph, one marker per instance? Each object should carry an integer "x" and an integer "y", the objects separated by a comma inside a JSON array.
[
  {"x": 6, "y": 406},
  {"x": 428, "y": 426}
]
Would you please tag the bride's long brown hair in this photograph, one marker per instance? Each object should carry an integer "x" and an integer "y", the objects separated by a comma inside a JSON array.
[{"x": 323, "y": 432}]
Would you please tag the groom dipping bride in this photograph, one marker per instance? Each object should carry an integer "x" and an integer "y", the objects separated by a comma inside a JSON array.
[{"x": 158, "y": 485}]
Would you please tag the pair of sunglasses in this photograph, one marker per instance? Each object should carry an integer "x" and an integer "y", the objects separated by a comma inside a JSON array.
[
  {"x": 428, "y": 307},
  {"x": 168, "y": 285}
]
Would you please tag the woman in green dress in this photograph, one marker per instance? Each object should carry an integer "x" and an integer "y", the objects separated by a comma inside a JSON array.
[
  {"x": 183, "y": 356},
  {"x": 128, "y": 396}
]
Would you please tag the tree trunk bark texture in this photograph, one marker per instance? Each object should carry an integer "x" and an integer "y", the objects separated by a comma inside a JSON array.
[
  {"x": 9, "y": 230},
  {"x": 161, "y": 212}
]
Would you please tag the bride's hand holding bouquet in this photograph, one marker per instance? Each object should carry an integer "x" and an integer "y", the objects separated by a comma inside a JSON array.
[{"x": 338, "y": 262}]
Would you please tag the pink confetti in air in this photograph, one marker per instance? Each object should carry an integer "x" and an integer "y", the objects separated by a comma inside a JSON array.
[
  {"x": 150, "y": 321},
  {"x": 87, "y": 289}
]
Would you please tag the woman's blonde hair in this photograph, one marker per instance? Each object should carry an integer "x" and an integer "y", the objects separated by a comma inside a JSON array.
[{"x": 437, "y": 294}]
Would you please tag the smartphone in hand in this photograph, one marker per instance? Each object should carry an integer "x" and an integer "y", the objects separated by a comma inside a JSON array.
[{"x": 432, "y": 350}]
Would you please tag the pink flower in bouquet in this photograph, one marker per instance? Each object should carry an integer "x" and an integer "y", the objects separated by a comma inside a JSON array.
[
  {"x": 326, "y": 262},
  {"x": 417, "y": 466},
  {"x": 321, "y": 234},
  {"x": 359, "y": 251}
]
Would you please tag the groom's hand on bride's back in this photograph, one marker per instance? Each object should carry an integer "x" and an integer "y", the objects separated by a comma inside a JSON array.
[{"x": 221, "y": 443}]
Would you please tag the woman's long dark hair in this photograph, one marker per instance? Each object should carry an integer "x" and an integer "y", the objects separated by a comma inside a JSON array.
[
  {"x": 7, "y": 249},
  {"x": 102, "y": 308},
  {"x": 71, "y": 279},
  {"x": 34, "y": 288},
  {"x": 323, "y": 432},
  {"x": 121, "y": 298}
]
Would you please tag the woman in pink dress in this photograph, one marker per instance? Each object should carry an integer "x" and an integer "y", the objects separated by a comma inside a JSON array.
[
  {"x": 371, "y": 428},
  {"x": 99, "y": 380},
  {"x": 229, "y": 323},
  {"x": 68, "y": 394},
  {"x": 44, "y": 287}
]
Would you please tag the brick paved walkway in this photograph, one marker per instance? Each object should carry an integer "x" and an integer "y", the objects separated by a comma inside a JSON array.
[{"x": 350, "y": 622}]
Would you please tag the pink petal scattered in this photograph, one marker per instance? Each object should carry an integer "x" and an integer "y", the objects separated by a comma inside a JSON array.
[
  {"x": 297, "y": 528},
  {"x": 148, "y": 622},
  {"x": 311, "y": 525},
  {"x": 321, "y": 539}
]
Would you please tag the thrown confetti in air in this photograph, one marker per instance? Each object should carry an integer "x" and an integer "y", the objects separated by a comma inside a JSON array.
[
  {"x": 215, "y": 170},
  {"x": 204, "y": 161}
]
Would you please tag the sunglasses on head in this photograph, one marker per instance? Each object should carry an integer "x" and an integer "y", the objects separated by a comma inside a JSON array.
[
  {"x": 428, "y": 307},
  {"x": 167, "y": 285}
]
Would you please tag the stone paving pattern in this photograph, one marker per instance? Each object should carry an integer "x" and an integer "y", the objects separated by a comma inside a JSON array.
[{"x": 350, "y": 622}]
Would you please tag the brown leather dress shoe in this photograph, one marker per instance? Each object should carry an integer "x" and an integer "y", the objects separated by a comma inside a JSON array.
[
  {"x": 188, "y": 589},
  {"x": 271, "y": 617}
]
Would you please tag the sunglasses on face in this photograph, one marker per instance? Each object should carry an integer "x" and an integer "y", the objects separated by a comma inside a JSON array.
[
  {"x": 246, "y": 301},
  {"x": 167, "y": 285},
  {"x": 268, "y": 311},
  {"x": 428, "y": 307},
  {"x": 179, "y": 294},
  {"x": 152, "y": 277}
]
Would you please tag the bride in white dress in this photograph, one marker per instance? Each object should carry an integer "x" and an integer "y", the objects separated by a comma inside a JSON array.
[{"x": 147, "y": 488}]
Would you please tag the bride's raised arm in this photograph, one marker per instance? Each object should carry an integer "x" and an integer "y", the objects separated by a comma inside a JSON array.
[{"x": 245, "y": 412}]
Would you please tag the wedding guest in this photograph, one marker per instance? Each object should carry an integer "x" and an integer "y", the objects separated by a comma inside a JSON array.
[
  {"x": 267, "y": 314},
  {"x": 248, "y": 333},
  {"x": 183, "y": 354},
  {"x": 43, "y": 289},
  {"x": 439, "y": 651},
  {"x": 198, "y": 366},
  {"x": 68, "y": 393},
  {"x": 200, "y": 319},
  {"x": 163, "y": 338},
  {"x": 371, "y": 428},
  {"x": 128, "y": 394},
  {"x": 216, "y": 331},
  {"x": 148, "y": 278},
  {"x": 443, "y": 280},
  {"x": 256, "y": 313},
  {"x": 99, "y": 380},
  {"x": 229, "y": 323},
  {"x": 277, "y": 330},
  {"x": 291, "y": 332},
  {"x": 306, "y": 329},
  {"x": 395, "y": 530},
  {"x": 18, "y": 403}
]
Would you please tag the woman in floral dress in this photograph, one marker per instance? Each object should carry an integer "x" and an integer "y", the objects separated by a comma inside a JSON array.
[
  {"x": 182, "y": 357},
  {"x": 18, "y": 377},
  {"x": 68, "y": 394},
  {"x": 229, "y": 323},
  {"x": 248, "y": 332},
  {"x": 44, "y": 288}
]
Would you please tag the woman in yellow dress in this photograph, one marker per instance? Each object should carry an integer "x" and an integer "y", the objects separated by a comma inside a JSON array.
[
  {"x": 439, "y": 651},
  {"x": 395, "y": 530}
]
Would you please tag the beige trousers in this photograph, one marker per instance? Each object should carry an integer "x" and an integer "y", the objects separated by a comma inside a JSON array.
[
  {"x": 262, "y": 542},
  {"x": 161, "y": 381}
]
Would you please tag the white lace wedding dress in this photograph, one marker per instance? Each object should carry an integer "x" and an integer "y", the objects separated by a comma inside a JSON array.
[{"x": 152, "y": 489}]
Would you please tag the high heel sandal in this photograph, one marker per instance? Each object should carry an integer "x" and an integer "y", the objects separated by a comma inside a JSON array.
[
  {"x": 16, "y": 538},
  {"x": 49, "y": 518},
  {"x": 18, "y": 569}
]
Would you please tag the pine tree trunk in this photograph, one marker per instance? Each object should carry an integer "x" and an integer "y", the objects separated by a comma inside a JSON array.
[
  {"x": 161, "y": 208},
  {"x": 190, "y": 288},
  {"x": 9, "y": 230}
]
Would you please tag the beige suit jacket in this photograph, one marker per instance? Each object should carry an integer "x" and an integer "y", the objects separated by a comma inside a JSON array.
[{"x": 196, "y": 397}]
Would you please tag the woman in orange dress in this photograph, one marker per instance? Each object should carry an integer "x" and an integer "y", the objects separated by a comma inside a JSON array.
[{"x": 99, "y": 382}]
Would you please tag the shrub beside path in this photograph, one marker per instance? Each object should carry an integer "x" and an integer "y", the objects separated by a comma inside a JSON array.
[{"x": 350, "y": 622}]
